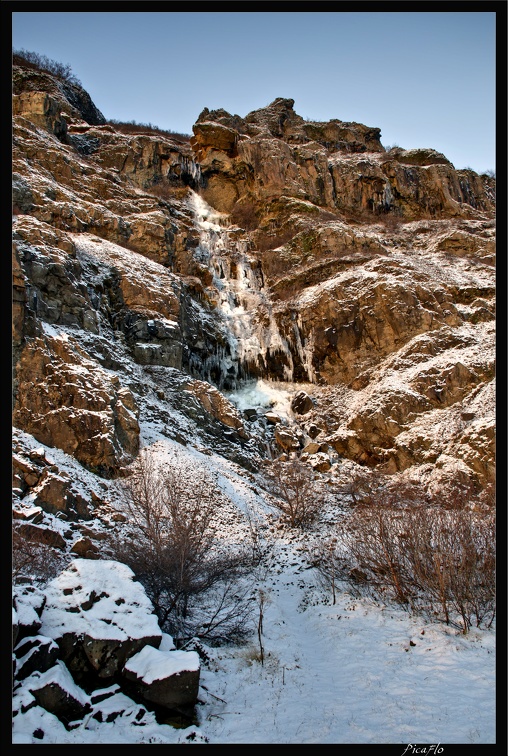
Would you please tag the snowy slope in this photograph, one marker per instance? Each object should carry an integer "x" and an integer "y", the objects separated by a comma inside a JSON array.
[{"x": 353, "y": 672}]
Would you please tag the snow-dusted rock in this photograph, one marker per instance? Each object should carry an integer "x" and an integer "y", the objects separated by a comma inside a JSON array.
[
  {"x": 166, "y": 678},
  {"x": 99, "y": 616},
  {"x": 286, "y": 439},
  {"x": 28, "y": 601},
  {"x": 35, "y": 653},
  {"x": 56, "y": 691}
]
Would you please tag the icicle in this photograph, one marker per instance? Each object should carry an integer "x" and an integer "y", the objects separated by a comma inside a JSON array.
[
  {"x": 249, "y": 340},
  {"x": 192, "y": 169}
]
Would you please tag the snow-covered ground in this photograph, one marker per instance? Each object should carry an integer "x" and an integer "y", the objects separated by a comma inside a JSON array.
[{"x": 354, "y": 672}]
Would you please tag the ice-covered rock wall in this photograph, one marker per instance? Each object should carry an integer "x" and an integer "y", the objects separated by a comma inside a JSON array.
[{"x": 253, "y": 340}]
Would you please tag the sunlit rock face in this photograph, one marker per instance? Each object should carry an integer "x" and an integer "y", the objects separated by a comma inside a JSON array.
[
  {"x": 67, "y": 400},
  {"x": 266, "y": 248}
]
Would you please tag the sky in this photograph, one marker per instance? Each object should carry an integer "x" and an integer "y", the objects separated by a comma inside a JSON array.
[{"x": 426, "y": 79}]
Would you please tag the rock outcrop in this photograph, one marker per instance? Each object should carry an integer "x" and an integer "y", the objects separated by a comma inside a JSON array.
[
  {"x": 153, "y": 275},
  {"x": 95, "y": 627}
]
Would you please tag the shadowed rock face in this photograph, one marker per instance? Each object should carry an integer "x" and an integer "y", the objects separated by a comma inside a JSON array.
[
  {"x": 98, "y": 629},
  {"x": 318, "y": 258}
]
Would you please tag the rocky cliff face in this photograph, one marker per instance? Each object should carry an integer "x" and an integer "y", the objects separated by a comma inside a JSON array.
[{"x": 155, "y": 279}]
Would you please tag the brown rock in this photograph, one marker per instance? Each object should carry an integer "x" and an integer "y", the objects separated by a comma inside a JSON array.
[
  {"x": 215, "y": 136},
  {"x": 301, "y": 403},
  {"x": 313, "y": 431},
  {"x": 217, "y": 405},
  {"x": 72, "y": 403},
  {"x": 85, "y": 548},
  {"x": 311, "y": 448},
  {"x": 320, "y": 462},
  {"x": 286, "y": 439},
  {"x": 46, "y": 536}
]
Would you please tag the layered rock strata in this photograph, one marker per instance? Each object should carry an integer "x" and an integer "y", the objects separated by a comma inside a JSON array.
[{"x": 312, "y": 256}]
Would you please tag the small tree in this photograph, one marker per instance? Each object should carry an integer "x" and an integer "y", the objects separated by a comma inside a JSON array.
[
  {"x": 329, "y": 563},
  {"x": 262, "y": 601},
  {"x": 296, "y": 493},
  {"x": 172, "y": 546}
]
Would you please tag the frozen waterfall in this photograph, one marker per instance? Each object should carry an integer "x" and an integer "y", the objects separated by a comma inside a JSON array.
[{"x": 247, "y": 320}]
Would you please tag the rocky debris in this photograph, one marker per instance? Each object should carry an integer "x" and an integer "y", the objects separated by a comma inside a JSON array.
[
  {"x": 286, "y": 438},
  {"x": 217, "y": 405},
  {"x": 301, "y": 403},
  {"x": 96, "y": 625}
]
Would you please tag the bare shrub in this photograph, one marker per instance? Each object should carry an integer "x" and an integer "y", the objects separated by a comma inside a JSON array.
[
  {"x": 330, "y": 565},
  {"x": 374, "y": 544},
  {"x": 33, "y": 559},
  {"x": 297, "y": 495},
  {"x": 260, "y": 548},
  {"x": 358, "y": 486},
  {"x": 39, "y": 62},
  {"x": 166, "y": 189},
  {"x": 439, "y": 561},
  {"x": 171, "y": 543},
  {"x": 390, "y": 221},
  {"x": 452, "y": 559}
]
